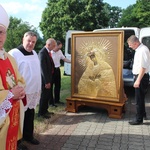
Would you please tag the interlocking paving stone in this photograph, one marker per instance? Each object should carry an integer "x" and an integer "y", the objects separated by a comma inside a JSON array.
[{"x": 92, "y": 129}]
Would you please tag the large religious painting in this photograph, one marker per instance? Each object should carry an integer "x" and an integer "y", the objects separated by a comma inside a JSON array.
[{"x": 97, "y": 60}]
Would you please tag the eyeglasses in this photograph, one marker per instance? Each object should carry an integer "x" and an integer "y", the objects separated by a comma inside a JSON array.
[{"x": 2, "y": 32}]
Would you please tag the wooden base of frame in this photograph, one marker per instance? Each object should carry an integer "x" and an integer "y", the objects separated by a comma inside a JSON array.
[{"x": 115, "y": 110}]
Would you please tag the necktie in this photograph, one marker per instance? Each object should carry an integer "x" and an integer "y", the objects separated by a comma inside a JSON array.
[{"x": 50, "y": 54}]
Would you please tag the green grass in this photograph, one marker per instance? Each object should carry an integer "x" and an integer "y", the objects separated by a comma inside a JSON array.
[{"x": 43, "y": 124}]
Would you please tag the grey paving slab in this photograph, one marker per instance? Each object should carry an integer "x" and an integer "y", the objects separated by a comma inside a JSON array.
[{"x": 92, "y": 129}]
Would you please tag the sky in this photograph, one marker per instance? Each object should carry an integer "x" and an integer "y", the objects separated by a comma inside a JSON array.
[
  {"x": 31, "y": 10},
  {"x": 120, "y": 3}
]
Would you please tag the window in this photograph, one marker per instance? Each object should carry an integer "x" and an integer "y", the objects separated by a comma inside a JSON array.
[
  {"x": 69, "y": 46},
  {"x": 146, "y": 41}
]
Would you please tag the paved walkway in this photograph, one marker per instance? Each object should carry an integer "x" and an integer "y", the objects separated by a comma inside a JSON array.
[{"x": 92, "y": 129}]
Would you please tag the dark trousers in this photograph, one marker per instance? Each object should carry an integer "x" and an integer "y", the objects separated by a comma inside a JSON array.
[
  {"x": 44, "y": 101},
  {"x": 56, "y": 86},
  {"x": 140, "y": 96},
  {"x": 28, "y": 124}
]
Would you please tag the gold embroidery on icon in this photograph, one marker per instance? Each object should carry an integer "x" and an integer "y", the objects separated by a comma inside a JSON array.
[{"x": 98, "y": 77}]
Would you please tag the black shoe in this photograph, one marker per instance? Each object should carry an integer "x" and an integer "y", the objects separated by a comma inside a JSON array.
[
  {"x": 133, "y": 103},
  {"x": 53, "y": 105},
  {"x": 60, "y": 103},
  {"x": 135, "y": 122},
  {"x": 145, "y": 118},
  {"x": 45, "y": 116},
  {"x": 49, "y": 113},
  {"x": 33, "y": 141},
  {"x": 21, "y": 146}
]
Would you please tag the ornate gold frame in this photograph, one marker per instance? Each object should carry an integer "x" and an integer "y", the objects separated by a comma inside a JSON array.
[{"x": 91, "y": 52}]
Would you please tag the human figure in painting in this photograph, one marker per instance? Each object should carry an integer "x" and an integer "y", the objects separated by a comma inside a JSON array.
[{"x": 98, "y": 78}]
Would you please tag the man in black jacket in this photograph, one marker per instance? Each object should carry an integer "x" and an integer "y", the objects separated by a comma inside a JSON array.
[{"x": 47, "y": 69}]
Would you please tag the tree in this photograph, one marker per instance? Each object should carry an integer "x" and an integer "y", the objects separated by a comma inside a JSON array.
[
  {"x": 142, "y": 13},
  {"x": 114, "y": 14},
  {"x": 136, "y": 15},
  {"x": 128, "y": 18},
  {"x": 15, "y": 33},
  {"x": 62, "y": 15}
]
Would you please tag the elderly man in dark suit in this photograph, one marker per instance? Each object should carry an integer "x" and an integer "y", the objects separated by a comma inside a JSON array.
[{"x": 47, "y": 69}]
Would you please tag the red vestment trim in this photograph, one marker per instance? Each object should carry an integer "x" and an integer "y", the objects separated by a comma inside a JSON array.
[{"x": 9, "y": 80}]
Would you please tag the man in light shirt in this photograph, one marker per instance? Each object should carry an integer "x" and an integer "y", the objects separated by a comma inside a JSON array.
[
  {"x": 141, "y": 67},
  {"x": 57, "y": 55}
]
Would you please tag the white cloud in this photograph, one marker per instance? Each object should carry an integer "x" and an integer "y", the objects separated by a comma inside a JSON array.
[
  {"x": 29, "y": 11},
  {"x": 18, "y": 7},
  {"x": 12, "y": 7},
  {"x": 32, "y": 8}
]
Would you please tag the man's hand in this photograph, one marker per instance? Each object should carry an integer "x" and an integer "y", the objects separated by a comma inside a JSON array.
[
  {"x": 136, "y": 84},
  {"x": 18, "y": 92},
  {"x": 47, "y": 86}
]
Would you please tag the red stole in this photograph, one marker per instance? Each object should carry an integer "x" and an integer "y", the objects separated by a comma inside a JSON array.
[{"x": 9, "y": 79}]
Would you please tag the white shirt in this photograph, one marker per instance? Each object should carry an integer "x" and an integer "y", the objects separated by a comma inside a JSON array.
[
  {"x": 141, "y": 59},
  {"x": 57, "y": 56},
  {"x": 29, "y": 68}
]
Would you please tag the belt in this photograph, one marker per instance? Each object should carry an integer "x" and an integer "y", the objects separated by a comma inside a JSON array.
[
  {"x": 56, "y": 67},
  {"x": 138, "y": 74}
]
